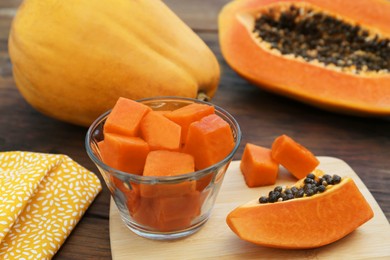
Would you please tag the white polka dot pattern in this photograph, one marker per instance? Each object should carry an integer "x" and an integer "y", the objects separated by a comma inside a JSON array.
[{"x": 42, "y": 197}]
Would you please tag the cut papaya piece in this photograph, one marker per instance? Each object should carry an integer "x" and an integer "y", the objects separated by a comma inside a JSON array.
[
  {"x": 184, "y": 116},
  {"x": 144, "y": 214},
  {"x": 174, "y": 225},
  {"x": 187, "y": 206},
  {"x": 258, "y": 167},
  {"x": 160, "y": 132},
  {"x": 329, "y": 54},
  {"x": 177, "y": 212},
  {"x": 209, "y": 140},
  {"x": 125, "y": 117},
  {"x": 168, "y": 163},
  {"x": 131, "y": 193},
  {"x": 297, "y": 159},
  {"x": 203, "y": 182},
  {"x": 167, "y": 213},
  {"x": 127, "y": 154},
  {"x": 306, "y": 222}
]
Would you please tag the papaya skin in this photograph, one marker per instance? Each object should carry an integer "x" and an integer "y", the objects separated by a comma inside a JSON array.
[
  {"x": 73, "y": 59},
  {"x": 301, "y": 223},
  {"x": 362, "y": 95}
]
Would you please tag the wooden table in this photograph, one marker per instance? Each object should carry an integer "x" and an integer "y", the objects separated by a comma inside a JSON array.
[{"x": 364, "y": 143}]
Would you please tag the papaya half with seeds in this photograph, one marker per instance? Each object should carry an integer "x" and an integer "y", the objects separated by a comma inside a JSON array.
[
  {"x": 73, "y": 59},
  {"x": 306, "y": 221},
  {"x": 334, "y": 55}
]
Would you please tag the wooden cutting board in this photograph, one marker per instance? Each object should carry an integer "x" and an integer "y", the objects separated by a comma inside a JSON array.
[{"x": 216, "y": 241}]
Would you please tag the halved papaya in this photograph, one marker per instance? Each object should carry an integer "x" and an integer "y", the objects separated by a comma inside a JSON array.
[
  {"x": 330, "y": 54},
  {"x": 306, "y": 221}
]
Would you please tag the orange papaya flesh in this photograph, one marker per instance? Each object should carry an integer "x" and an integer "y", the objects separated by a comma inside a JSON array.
[
  {"x": 167, "y": 213},
  {"x": 168, "y": 163},
  {"x": 257, "y": 166},
  {"x": 204, "y": 181},
  {"x": 127, "y": 154},
  {"x": 306, "y": 222},
  {"x": 177, "y": 212},
  {"x": 209, "y": 140},
  {"x": 186, "y": 115},
  {"x": 296, "y": 158},
  {"x": 144, "y": 213},
  {"x": 312, "y": 82},
  {"x": 132, "y": 195},
  {"x": 148, "y": 214},
  {"x": 125, "y": 117},
  {"x": 160, "y": 132},
  {"x": 171, "y": 208}
]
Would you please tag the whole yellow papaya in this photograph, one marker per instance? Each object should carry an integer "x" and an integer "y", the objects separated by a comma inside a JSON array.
[{"x": 72, "y": 59}]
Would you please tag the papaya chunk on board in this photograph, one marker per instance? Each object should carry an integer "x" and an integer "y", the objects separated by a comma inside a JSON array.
[
  {"x": 160, "y": 132},
  {"x": 297, "y": 159},
  {"x": 127, "y": 154},
  {"x": 125, "y": 117},
  {"x": 258, "y": 167},
  {"x": 209, "y": 140},
  {"x": 186, "y": 115},
  {"x": 168, "y": 163}
]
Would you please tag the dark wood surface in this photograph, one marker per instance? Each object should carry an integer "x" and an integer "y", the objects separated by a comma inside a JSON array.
[{"x": 364, "y": 143}]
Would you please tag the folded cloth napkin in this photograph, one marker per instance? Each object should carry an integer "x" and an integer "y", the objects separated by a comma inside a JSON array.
[{"x": 42, "y": 198}]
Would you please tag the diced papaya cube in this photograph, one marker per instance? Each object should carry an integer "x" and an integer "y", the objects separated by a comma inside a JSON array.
[
  {"x": 127, "y": 154},
  {"x": 145, "y": 213},
  {"x": 184, "y": 116},
  {"x": 125, "y": 117},
  {"x": 209, "y": 140},
  {"x": 171, "y": 208},
  {"x": 177, "y": 212},
  {"x": 203, "y": 182},
  {"x": 167, "y": 214},
  {"x": 160, "y": 132},
  {"x": 174, "y": 225},
  {"x": 132, "y": 196},
  {"x": 168, "y": 163},
  {"x": 297, "y": 159},
  {"x": 258, "y": 167}
]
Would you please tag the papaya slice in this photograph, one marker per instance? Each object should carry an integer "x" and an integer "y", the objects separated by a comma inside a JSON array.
[
  {"x": 304, "y": 221},
  {"x": 186, "y": 115},
  {"x": 168, "y": 207},
  {"x": 125, "y": 117},
  {"x": 168, "y": 163},
  {"x": 258, "y": 167},
  {"x": 166, "y": 213},
  {"x": 144, "y": 213},
  {"x": 209, "y": 140},
  {"x": 160, "y": 132},
  {"x": 177, "y": 212},
  {"x": 127, "y": 154},
  {"x": 329, "y": 54},
  {"x": 132, "y": 195}
]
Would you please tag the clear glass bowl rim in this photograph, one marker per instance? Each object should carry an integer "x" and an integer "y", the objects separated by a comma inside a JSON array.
[{"x": 163, "y": 179}]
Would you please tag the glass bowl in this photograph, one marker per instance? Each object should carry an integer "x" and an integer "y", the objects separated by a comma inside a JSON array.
[{"x": 143, "y": 202}]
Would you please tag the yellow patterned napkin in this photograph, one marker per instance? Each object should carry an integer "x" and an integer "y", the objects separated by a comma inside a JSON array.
[{"x": 42, "y": 197}]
